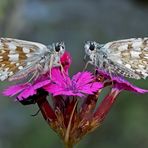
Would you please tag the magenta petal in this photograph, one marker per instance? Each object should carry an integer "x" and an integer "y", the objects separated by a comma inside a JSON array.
[
  {"x": 65, "y": 93},
  {"x": 84, "y": 83},
  {"x": 82, "y": 78},
  {"x": 15, "y": 89},
  {"x": 122, "y": 84},
  {"x": 68, "y": 93},
  {"x": 91, "y": 88},
  {"x": 57, "y": 76},
  {"x": 53, "y": 88},
  {"x": 30, "y": 91},
  {"x": 41, "y": 84},
  {"x": 26, "y": 89}
]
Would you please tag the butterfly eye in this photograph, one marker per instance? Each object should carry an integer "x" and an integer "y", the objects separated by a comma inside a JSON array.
[
  {"x": 57, "y": 48},
  {"x": 91, "y": 47}
]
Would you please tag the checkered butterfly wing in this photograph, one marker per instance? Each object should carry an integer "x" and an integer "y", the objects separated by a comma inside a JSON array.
[
  {"x": 130, "y": 55},
  {"x": 18, "y": 58}
]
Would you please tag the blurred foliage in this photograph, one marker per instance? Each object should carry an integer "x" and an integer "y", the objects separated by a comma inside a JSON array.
[
  {"x": 74, "y": 22},
  {"x": 3, "y": 5}
]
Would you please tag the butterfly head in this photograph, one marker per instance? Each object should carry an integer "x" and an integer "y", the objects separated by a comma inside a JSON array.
[
  {"x": 57, "y": 48},
  {"x": 90, "y": 47}
]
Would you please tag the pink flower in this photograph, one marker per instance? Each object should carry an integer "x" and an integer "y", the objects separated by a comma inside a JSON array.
[{"x": 81, "y": 84}]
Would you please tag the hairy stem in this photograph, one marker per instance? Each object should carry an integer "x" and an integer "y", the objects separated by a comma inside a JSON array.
[{"x": 68, "y": 144}]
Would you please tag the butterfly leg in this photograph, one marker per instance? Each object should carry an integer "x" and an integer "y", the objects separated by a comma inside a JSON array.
[
  {"x": 50, "y": 66},
  {"x": 34, "y": 76},
  {"x": 108, "y": 66},
  {"x": 55, "y": 64},
  {"x": 110, "y": 74},
  {"x": 86, "y": 65},
  {"x": 36, "y": 73},
  {"x": 62, "y": 70}
]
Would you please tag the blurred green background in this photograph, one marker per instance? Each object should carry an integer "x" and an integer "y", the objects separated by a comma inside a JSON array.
[{"x": 75, "y": 21}]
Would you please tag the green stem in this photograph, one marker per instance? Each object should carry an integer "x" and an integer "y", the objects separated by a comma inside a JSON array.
[
  {"x": 69, "y": 125},
  {"x": 68, "y": 145}
]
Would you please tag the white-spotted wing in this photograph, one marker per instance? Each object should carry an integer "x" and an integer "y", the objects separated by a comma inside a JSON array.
[
  {"x": 127, "y": 57},
  {"x": 18, "y": 58}
]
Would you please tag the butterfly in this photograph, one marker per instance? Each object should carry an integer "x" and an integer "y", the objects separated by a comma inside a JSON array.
[
  {"x": 127, "y": 58},
  {"x": 19, "y": 58}
]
